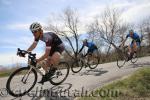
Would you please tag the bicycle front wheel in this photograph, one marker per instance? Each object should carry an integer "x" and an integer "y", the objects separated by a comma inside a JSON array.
[
  {"x": 121, "y": 60},
  {"x": 21, "y": 81},
  {"x": 77, "y": 66},
  {"x": 61, "y": 73}
]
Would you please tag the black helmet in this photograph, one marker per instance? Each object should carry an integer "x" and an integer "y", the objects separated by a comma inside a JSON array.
[
  {"x": 85, "y": 40},
  {"x": 131, "y": 31}
]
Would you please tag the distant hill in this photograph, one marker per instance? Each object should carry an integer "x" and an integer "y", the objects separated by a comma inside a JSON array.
[
  {"x": 2, "y": 68},
  {"x": 10, "y": 66}
]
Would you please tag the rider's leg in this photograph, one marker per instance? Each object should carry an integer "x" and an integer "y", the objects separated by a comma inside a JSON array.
[
  {"x": 89, "y": 53},
  {"x": 55, "y": 55},
  {"x": 45, "y": 66},
  {"x": 48, "y": 64},
  {"x": 130, "y": 49},
  {"x": 134, "y": 47},
  {"x": 55, "y": 58}
]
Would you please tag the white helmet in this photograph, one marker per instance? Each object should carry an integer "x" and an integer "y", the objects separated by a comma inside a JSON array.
[{"x": 35, "y": 26}]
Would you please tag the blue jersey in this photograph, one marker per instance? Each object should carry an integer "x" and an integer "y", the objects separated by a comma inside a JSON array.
[
  {"x": 135, "y": 36},
  {"x": 90, "y": 45}
]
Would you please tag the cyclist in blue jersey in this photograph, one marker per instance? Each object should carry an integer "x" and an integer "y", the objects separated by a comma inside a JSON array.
[
  {"x": 91, "y": 47},
  {"x": 135, "y": 44}
]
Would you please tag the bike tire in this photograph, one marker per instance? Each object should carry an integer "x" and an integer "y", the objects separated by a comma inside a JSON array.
[
  {"x": 121, "y": 60},
  {"x": 10, "y": 91},
  {"x": 134, "y": 59},
  {"x": 96, "y": 61},
  {"x": 75, "y": 64},
  {"x": 66, "y": 65}
]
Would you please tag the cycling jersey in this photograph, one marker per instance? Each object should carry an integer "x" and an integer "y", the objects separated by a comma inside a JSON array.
[
  {"x": 135, "y": 38},
  {"x": 53, "y": 41},
  {"x": 91, "y": 47}
]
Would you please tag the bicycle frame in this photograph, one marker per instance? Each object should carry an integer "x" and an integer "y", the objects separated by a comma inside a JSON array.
[
  {"x": 36, "y": 69},
  {"x": 83, "y": 59},
  {"x": 31, "y": 60}
]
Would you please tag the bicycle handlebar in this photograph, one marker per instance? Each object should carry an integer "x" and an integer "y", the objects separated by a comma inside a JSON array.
[
  {"x": 31, "y": 56},
  {"x": 22, "y": 52}
]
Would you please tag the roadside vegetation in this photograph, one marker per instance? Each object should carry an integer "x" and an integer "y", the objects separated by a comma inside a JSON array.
[
  {"x": 7, "y": 71},
  {"x": 135, "y": 87}
]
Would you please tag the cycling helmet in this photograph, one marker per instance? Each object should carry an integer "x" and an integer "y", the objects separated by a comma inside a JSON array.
[
  {"x": 85, "y": 40},
  {"x": 35, "y": 26},
  {"x": 131, "y": 31}
]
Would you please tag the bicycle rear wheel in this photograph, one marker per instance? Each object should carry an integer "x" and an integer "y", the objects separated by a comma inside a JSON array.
[
  {"x": 61, "y": 73},
  {"x": 134, "y": 58},
  {"x": 94, "y": 60},
  {"x": 21, "y": 81}
]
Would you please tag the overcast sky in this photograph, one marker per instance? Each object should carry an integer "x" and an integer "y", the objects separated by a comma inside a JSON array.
[{"x": 17, "y": 15}]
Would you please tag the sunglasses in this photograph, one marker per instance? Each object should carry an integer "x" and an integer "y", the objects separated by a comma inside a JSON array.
[{"x": 34, "y": 31}]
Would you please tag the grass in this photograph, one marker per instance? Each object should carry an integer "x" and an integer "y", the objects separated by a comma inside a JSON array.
[
  {"x": 135, "y": 87},
  {"x": 7, "y": 72},
  {"x": 4, "y": 74}
]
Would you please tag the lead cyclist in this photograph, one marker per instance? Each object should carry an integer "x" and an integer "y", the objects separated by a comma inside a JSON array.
[{"x": 53, "y": 50}]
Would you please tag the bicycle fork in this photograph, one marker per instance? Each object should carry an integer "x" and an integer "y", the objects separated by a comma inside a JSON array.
[{"x": 25, "y": 77}]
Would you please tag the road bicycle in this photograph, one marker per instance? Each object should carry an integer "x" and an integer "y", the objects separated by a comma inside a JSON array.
[
  {"x": 123, "y": 56},
  {"x": 90, "y": 60},
  {"x": 22, "y": 80}
]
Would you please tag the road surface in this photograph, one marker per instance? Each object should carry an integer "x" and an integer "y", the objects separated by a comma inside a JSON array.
[{"x": 77, "y": 84}]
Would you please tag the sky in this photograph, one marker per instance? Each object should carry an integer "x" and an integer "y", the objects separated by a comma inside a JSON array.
[{"x": 17, "y": 15}]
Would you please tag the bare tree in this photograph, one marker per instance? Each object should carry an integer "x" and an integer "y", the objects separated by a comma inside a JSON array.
[
  {"x": 68, "y": 27},
  {"x": 110, "y": 28},
  {"x": 95, "y": 37},
  {"x": 144, "y": 28}
]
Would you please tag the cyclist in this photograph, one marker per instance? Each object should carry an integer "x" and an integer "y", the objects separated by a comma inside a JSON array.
[
  {"x": 91, "y": 47},
  {"x": 54, "y": 48},
  {"x": 136, "y": 42}
]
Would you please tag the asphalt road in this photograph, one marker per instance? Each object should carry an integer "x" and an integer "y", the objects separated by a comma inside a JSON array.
[{"x": 77, "y": 84}]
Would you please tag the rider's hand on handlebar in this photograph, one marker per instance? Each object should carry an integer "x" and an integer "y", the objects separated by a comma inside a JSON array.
[
  {"x": 37, "y": 60},
  {"x": 121, "y": 45},
  {"x": 21, "y": 54}
]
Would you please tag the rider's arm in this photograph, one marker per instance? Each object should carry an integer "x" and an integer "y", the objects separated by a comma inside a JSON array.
[
  {"x": 33, "y": 45},
  {"x": 123, "y": 42},
  {"x": 81, "y": 48},
  {"x": 47, "y": 51}
]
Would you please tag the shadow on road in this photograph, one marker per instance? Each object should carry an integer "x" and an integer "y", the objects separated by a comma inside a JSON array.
[
  {"x": 95, "y": 72},
  {"x": 140, "y": 64}
]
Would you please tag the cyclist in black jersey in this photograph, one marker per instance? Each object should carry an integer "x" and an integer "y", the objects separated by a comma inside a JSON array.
[{"x": 54, "y": 48}]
